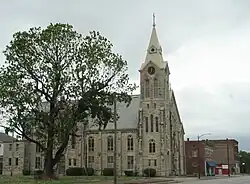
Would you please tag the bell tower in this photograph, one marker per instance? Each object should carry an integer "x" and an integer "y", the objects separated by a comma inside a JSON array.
[{"x": 154, "y": 94}]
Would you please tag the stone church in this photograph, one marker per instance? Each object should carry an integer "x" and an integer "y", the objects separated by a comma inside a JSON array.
[{"x": 150, "y": 133}]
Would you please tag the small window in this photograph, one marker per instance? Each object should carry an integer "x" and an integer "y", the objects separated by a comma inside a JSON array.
[
  {"x": 9, "y": 161},
  {"x": 156, "y": 124},
  {"x": 152, "y": 122},
  {"x": 149, "y": 162},
  {"x": 146, "y": 124},
  {"x": 38, "y": 163},
  {"x": 110, "y": 143},
  {"x": 155, "y": 162},
  {"x": 10, "y": 147},
  {"x": 69, "y": 162},
  {"x": 155, "y": 105},
  {"x": 130, "y": 160},
  {"x": 73, "y": 142},
  {"x": 17, "y": 147},
  {"x": 91, "y": 160},
  {"x": 148, "y": 106},
  {"x": 130, "y": 143},
  {"x": 91, "y": 143},
  {"x": 16, "y": 161},
  {"x": 110, "y": 159},
  {"x": 74, "y": 162},
  {"x": 194, "y": 153}
]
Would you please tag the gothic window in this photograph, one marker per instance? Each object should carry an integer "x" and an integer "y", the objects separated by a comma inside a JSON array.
[
  {"x": 130, "y": 143},
  {"x": 152, "y": 122},
  {"x": 151, "y": 146},
  {"x": 147, "y": 88},
  {"x": 38, "y": 163},
  {"x": 146, "y": 123},
  {"x": 156, "y": 88},
  {"x": 130, "y": 162},
  {"x": 110, "y": 143},
  {"x": 91, "y": 144},
  {"x": 73, "y": 141},
  {"x": 156, "y": 124},
  {"x": 110, "y": 160},
  {"x": 91, "y": 161}
]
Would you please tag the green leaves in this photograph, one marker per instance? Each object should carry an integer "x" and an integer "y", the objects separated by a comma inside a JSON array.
[{"x": 55, "y": 77}]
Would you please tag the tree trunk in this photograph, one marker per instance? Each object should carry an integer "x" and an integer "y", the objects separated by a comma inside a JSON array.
[{"x": 49, "y": 164}]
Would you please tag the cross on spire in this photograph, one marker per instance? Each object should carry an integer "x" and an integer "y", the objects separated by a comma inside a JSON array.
[{"x": 154, "y": 20}]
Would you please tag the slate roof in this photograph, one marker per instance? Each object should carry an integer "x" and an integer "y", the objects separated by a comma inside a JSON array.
[
  {"x": 5, "y": 138},
  {"x": 128, "y": 116}
]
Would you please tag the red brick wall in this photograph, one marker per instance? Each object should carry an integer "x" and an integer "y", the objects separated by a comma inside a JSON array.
[{"x": 193, "y": 162}]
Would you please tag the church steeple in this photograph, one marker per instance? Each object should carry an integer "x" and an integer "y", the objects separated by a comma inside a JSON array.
[
  {"x": 154, "y": 50},
  {"x": 154, "y": 42}
]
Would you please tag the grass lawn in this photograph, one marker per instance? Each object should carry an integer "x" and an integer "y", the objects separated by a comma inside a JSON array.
[{"x": 64, "y": 180}]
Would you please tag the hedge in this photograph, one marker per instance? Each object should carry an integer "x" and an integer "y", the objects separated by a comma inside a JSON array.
[
  {"x": 78, "y": 171},
  {"x": 26, "y": 172},
  {"x": 108, "y": 172},
  {"x": 150, "y": 172},
  {"x": 131, "y": 173}
]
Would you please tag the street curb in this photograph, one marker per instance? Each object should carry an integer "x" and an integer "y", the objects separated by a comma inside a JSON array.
[{"x": 157, "y": 181}]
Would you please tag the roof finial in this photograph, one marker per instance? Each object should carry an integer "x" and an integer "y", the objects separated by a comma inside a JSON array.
[{"x": 154, "y": 20}]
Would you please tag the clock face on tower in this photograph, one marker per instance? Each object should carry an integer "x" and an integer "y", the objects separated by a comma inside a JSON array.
[{"x": 151, "y": 70}]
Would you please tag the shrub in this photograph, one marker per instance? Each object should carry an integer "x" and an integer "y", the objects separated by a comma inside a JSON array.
[
  {"x": 26, "y": 172},
  {"x": 150, "y": 172},
  {"x": 108, "y": 172},
  {"x": 131, "y": 173},
  {"x": 38, "y": 174},
  {"x": 74, "y": 171},
  {"x": 88, "y": 171}
]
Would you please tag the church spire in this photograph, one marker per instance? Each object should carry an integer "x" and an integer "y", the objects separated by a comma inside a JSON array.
[
  {"x": 154, "y": 51},
  {"x": 154, "y": 44},
  {"x": 154, "y": 20}
]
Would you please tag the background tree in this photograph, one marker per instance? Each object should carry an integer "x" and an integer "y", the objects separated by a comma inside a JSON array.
[
  {"x": 244, "y": 158},
  {"x": 55, "y": 78}
]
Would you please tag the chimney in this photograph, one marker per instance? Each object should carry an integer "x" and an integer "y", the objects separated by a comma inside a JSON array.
[{"x": 187, "y": 139}]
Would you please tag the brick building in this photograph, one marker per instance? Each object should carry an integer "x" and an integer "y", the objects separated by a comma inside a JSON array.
[
  {"x": 199, "y": 158},
  {"x": 224, "y": 151}
]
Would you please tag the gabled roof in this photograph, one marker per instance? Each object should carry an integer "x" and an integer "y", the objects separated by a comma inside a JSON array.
[{"x": 5, "y": 138}]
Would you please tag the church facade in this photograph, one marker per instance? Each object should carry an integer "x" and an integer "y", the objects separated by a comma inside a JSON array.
[{"x": 150, "y": 133}]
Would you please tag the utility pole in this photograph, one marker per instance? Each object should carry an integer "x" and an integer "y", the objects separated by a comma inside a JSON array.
[
  {"x": 198, "y": 157},
  {"x": 12, "y": 154},
  {"x": 115, "y": 147},
  {"x": 81, "y": 161},
  {"x": 228, "y": 158},
  {"x": 198, "y": 154}
]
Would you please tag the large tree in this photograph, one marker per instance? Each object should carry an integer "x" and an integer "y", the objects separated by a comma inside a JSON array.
[{"x": 53, "y": 79}]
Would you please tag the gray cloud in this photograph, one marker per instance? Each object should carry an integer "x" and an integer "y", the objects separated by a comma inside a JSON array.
[{"x": 223, "y": 110}]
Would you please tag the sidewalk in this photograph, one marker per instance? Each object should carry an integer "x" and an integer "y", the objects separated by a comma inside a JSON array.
[{"x": 183, "y": 179}]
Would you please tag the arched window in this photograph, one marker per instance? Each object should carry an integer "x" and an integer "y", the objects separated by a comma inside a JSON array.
[
  {"x": 110, "y": 143},
  {"x": 152, "y": 122},
  {"x": 156, "y": 88},
  {"x": 130, "y": 143},
  {"x": 156, "y": 124},
  {"x": 151, "y": 146},
  {"x": 91, "y": 144},
  {"x": 146, "y": 88},
  {"x": 146, "y": 124}
]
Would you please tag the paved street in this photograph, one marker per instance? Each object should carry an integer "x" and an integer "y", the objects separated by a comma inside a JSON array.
[{"x": 232, "y": 180}]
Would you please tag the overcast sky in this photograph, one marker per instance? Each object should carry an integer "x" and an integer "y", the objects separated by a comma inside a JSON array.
[{"x": 206, "y": 42}]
